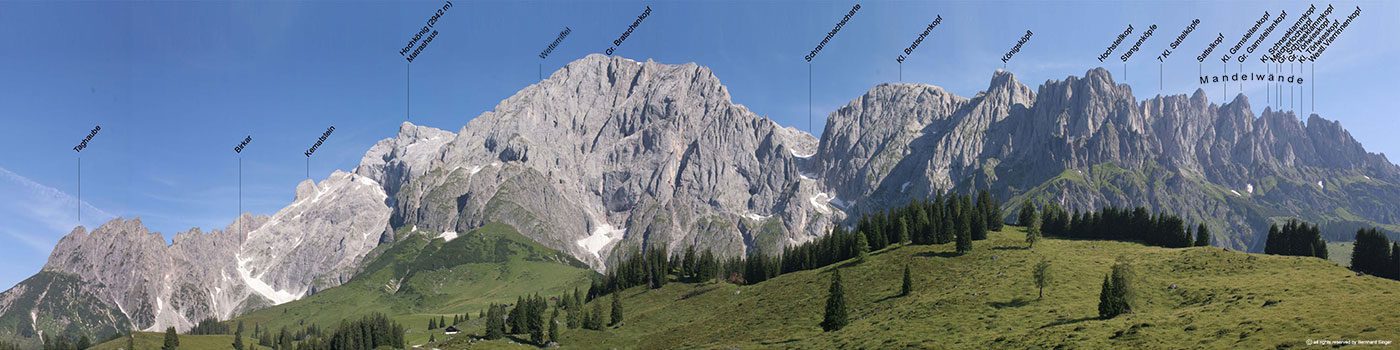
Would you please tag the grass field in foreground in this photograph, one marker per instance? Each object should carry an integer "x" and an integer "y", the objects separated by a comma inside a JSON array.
[{"x": 986, "y": 299}]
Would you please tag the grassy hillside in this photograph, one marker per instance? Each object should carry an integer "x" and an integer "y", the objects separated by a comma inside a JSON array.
[
  {"x": 149, "y": 340},
  {"x": 986, "y": 299},
  {"x": 419, "y": 278}
]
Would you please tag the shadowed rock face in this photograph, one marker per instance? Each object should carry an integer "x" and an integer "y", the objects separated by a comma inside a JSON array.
[{"x": 610, "y": 153}]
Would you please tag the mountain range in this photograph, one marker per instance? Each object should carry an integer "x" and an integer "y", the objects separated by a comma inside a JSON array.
[{"x": 609, "y": 153}]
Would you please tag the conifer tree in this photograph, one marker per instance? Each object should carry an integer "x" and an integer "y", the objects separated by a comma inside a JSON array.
[
  {"x": 595, "y": 318},
  {"x": 1371, "y": 254},
  {"x": 534, "y": 318},
  {"x": 991, "y": 211},
  {"x": 964, "y": 236},
  {"x": 130, "y": 341},
  {"x": 862, "y": 247},
  {"x": 1395, "y": 261},
  {"x": 1202, "y": 235},
  {"x": 238, "y": 337},
  {"x": 835, "y": 317},
  {"x": 172, "y": 340},
  {"x": 517, "y": 317},
  {"x": 432, "y": 323},
  {"x": 494, "y": 324},
  {"x": 979, "y": 224},
  {"x": 903, "y": 230},
  {"x": 1042, "y": 277},
  {"x": 1025, "y": 218},
  {"x": 1116, "y": 297},
  {"x": 432, "y": 338},
  {"x": 284, "y": 339},
  {"x": 908, "y": 285},
  {"x": 616, "y": 318},
  {"x": 1033, "y": 229},
  {"x": 554, "y": 326}
]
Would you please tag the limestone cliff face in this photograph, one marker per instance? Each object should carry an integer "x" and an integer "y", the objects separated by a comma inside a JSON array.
[
  {"x": 1087, "y": 143},
  {"x": 609, "y": 152},
  {"x": 135, "y": 280}
]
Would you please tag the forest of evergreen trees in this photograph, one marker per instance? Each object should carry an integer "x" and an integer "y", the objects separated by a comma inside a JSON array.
[
  {"x": 1295, "y": 238},
  {"x": 1110, "y": 223},
  {"x": 1374, "y": 254}
]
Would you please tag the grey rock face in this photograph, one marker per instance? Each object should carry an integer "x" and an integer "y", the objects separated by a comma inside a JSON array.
[
  {"x": 610, "y": 152},
  {"x": 316, "y": 242},
  {"x": 1087, "y": 143}
]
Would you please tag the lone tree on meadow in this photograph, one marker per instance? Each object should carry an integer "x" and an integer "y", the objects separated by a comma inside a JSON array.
[
  {"x": 835, "y": 317},
  {"x": 172, "y": 340},
  {"x": 908, "y": 285},
  {"x": 1116, "y": 297},
  {"x": 1042, "y": 277}
]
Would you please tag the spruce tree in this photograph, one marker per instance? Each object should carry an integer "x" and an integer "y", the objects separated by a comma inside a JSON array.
[
  {"x": 1272, "y": 242},
  {"x": 1107, "y": 305},
  {"x": 616, "y": 318},
  {"x": 862, "y": 247},
  {"x": 835, "y": 317},
  {"x": 1042, "y": 277},
  {"x": 1026, "y": 217},
  {"x": 979, "y": 224},
  {"x": 964, "y": 236},
  {"x": 534, "y": 319},
  {"x": 908, "y": 285},
  {"x": 903, "y": 230},
  {"x": 1371, "y": 254},
  {"x": 1033, "y": 229},
  {"x": 1116, "y": 297},
  {"x": 432, "y": 323},
  {"x": 130, "y": 341},
  {"x": 991, "y": 211},
  {"x": 517, "y": 317},
  {"x": 1395, "y": 261},
  {"x": 595, "y": 318},
  {"x": 172, "y": 340},
  {"x": 554, "y": 326},
  {"x": 238, "y": 337},
  {"x": 284, "y": 339},
  {"x": 1202, "y": 235}
]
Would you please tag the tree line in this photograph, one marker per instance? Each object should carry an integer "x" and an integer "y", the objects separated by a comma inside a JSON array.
[
  {"x": 1374, "y": 254},
  {"x": 1118, "y": 224},
  {"x": 1295, "y": 238}
]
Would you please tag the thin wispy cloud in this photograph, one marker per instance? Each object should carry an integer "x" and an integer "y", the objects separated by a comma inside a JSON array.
[{"x": 38, "y": 215}]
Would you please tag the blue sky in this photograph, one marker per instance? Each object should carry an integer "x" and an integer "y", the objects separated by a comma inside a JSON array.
[{"x": 175, "y": 86}]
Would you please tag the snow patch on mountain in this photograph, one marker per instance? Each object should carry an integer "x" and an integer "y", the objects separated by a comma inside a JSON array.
[
  {"x": 601, "y": 236},
  {"x": 262, "y": 288},
  {"x": 448, "y": 236}
]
